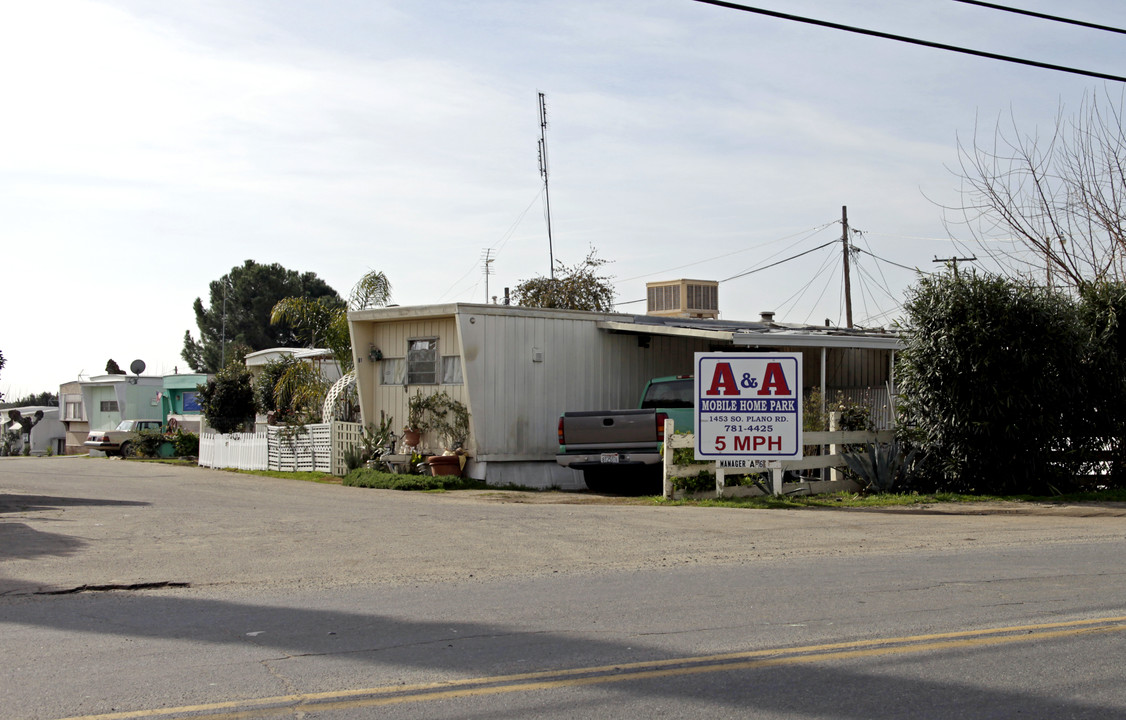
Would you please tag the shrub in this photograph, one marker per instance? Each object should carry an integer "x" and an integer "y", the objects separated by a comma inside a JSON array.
[
  {"x": 146, "y": 443},
  {"x": 880, "y": 466},
  {"x": 228, "y": 399},
  {"x": 364, "y": 477},
  {"x": 704, "y": 482},
  {"x": 988, "y": 377},
  {"x": 185, "y": 444}
]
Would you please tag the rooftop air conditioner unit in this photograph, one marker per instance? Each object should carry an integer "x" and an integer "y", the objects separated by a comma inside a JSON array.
[{"x": 683, "y": 298}]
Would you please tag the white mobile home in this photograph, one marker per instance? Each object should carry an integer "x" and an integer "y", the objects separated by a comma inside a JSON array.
[{"x": 517, "y": 369}]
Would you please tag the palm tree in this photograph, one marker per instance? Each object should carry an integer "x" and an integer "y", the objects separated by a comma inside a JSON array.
[
  {"x": 373, "y": 290},
  {"x": 327, "y": 323}
]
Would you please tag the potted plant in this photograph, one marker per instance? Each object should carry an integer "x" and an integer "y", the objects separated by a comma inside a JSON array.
[
  {"x": 416, "y": 419},
  {"x": 449, "y": 420}
]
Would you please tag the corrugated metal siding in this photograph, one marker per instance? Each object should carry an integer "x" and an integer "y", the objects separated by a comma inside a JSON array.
[
  {"x": 856, "y": 368},
  {"x": 391, "y": 338},
  {"x": 516, "y": 402}
]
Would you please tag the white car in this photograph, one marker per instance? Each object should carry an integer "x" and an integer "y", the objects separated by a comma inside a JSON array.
[{"x": 117, "y": 441}]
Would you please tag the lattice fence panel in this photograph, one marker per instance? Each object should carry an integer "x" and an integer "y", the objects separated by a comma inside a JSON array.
[{"x": 344, "y": 436}]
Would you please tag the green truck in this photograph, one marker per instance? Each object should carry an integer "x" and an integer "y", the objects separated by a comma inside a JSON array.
[{"x": 620, "y": 450}]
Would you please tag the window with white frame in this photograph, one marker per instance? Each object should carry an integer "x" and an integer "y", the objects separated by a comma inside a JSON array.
[
  {"x": 73, "y": 409},
  {"x": 422, "y": 361}
]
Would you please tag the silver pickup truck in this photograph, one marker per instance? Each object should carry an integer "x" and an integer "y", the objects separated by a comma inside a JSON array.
[{"x": 621, "y": 450}]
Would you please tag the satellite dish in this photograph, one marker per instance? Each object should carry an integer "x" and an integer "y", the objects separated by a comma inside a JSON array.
[{"x": 137, "y": 367}]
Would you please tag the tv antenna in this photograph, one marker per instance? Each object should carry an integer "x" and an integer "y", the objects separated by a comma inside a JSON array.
[
  {"x": 487, "y": 268},
  {"x": 543, "y": 174}
]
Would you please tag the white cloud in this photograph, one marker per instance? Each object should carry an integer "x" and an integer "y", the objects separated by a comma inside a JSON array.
[{"x": 147, "y": 148}]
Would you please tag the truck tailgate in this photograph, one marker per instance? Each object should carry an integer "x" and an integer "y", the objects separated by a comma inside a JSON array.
[{"x": 620, "y": 429}]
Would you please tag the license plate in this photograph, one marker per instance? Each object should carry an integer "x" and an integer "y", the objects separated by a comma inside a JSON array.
[{"x": 610, "y": 458}]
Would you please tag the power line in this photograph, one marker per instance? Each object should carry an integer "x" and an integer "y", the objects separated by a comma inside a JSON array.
[
  {"x": 912, "y": 41},
  {"x": 495, "y": 248},
  {"x": 889, "y": 262},
  {"x": 1043, "y": 16},
  {"x": 788, "y": 305},
  {"x": 792, "y": 257},
  {"x": 809, "y": 232}
]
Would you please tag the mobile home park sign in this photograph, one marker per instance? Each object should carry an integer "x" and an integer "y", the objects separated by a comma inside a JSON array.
[{"x": 748, "y": 407}]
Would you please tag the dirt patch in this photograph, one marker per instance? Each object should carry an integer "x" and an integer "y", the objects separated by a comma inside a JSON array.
[
  {"x": 550, "y": 498},
  {"x": 1106, "y": 509}
]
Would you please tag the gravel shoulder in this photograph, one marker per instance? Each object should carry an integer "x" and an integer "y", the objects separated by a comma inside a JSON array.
[{"x": 70, "y": 523}]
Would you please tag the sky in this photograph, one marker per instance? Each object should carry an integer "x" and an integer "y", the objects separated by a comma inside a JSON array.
[{"x": 146, "y": 148}]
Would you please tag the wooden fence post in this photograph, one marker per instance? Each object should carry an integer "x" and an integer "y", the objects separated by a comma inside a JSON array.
[{"x": 666, "y": 479}]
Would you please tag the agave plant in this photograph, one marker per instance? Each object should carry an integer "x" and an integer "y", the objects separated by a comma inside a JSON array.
[{"x": 880, "y": 466}]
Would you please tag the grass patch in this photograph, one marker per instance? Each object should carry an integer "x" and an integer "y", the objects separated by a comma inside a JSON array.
[
  {"x": 364, "y": 477},
  {"x": 1114, "y": 495},
  {"x": 317, "y": 477},
  {"x": 846, "y": 499},
  {"x": 186, "y": 462}
]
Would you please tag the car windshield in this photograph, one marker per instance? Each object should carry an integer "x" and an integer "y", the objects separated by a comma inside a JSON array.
[{"x": 125, "y": 425}]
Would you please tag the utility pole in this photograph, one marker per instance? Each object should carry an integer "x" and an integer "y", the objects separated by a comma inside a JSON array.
[
  {"x": 543, "y": 173},
  {"x": 223, "y": 340},
  {"x": 847, "y": 279},
  {"x": 1048, "y": 260}
]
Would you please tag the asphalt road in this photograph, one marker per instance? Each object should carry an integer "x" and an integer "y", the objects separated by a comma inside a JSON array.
[{"x": 280, "y": 598}]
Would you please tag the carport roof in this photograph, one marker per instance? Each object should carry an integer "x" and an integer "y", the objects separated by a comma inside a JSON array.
[{"x": 756, "y": 334}]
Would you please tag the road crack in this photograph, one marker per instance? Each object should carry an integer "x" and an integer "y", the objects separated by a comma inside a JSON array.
[{"x": 115, "y": 587}]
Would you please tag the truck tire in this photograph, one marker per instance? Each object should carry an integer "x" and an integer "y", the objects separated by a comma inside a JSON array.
[
  {"x": 624, "y": 480},
  {"x": 598, "y": 480}
]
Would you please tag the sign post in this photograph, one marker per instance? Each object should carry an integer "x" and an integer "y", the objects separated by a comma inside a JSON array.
[{"x": 748, "y": 408}]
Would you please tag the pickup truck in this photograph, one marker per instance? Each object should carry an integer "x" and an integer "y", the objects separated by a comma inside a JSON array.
[
  {"x": 620, "y": 450},
  {"x": 119, "y": 440}
]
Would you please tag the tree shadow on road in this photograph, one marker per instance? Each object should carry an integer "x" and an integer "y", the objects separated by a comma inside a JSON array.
[
  {"x": 291, "y": 641},
  {"x": 19, "y": 540},
  {"x": 16, "y": 502}
]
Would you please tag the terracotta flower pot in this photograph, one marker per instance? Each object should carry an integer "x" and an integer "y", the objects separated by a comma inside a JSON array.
[
  {"x": 411, "y": 437},
  {"x": 444, "y": 464}
]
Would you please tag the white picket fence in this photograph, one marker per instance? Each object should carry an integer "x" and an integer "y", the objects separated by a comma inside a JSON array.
[
  {"x": 311, "y": 448},
  {"x": 833, "y": 440},
  {"x": 241, "y": 451}
]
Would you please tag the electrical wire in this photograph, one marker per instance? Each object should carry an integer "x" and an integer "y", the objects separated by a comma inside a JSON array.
[
  {"x": 495, "y": 248},
  {"x": 824, "y": 289},
  {"x": 775, "y": 264},
  {"x": 516, "y": 223},
  {"x": 787, "y": 306},
  {"x": 890, "y": 262},
  {"x": 809, "y": 232},
  {"x": 1043, "y": 16},
  {"x": 863, "y": 274},
  {"x": 912, "y": 41}
]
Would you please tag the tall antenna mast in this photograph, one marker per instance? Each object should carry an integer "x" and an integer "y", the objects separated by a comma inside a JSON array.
[
  {"x": 847, "y": 279},
  {"x": 543, "y": 174}
]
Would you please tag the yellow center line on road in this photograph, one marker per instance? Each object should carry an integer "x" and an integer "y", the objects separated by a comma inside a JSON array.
[{"x": 624, "y": 672}]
